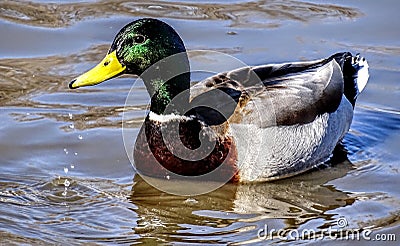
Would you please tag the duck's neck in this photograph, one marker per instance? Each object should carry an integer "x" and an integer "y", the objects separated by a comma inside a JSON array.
[
  {"x": 171, "y": 95},
  {"x": 168, "y": 92}
]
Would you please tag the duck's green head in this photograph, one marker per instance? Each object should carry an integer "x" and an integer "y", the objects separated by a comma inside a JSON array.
[{"x": 136, "y": 47}]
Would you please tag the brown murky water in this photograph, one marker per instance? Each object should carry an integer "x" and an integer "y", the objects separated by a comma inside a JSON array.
[{"x": 64, "y": 174}]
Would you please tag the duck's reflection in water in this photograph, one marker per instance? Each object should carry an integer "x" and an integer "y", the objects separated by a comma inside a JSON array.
[{"x": 239, "y": 210}]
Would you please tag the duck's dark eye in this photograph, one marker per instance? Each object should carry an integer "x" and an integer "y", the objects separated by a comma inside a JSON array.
[{"x": 138, "y": 39}]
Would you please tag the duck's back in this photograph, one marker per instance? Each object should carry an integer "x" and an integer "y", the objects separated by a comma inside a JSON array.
[{"x": 287, "y": 93}]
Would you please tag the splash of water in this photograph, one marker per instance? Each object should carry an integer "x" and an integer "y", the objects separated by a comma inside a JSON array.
[{"x": 66, "y": 182}]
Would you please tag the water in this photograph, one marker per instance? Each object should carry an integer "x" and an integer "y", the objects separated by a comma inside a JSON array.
[{"x": 65, "y": 176}]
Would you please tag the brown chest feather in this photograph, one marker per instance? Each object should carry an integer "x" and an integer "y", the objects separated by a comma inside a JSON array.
[{"x": 158, "y": 146}]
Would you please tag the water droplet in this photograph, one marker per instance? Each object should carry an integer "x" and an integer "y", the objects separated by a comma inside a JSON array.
[
  {"x": 80, "y": 137},
  {"x": 65, "y": 170},
  {"x": 168, "y": 177},
  {"x": 72, "y": 126},
  {"x": 76, "y": 153},
  {"x": 28, "y": 114},
  {"x": 65, "y": 151},
  {"x": 70, "y": 116},
  {"x": 72, "y": 166},
  {"x": 65, "y": 192},
  {"x": 67, "y": 183}
]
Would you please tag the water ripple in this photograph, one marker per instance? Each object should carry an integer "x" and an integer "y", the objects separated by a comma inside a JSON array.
[
  {"x": 265, "y": 14},
  {"x": 60, "y": 214}
]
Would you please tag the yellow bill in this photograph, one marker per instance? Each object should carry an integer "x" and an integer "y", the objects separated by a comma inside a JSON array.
[{"x": 108, "y": 68}]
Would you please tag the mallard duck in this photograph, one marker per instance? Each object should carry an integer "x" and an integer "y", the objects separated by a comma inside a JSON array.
[{"x": 252, "y": 124}]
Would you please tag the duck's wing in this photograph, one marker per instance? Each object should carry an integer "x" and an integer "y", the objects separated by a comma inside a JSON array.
[{"x": 281, "y": 94}]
